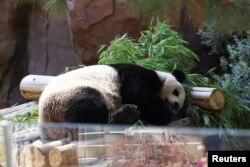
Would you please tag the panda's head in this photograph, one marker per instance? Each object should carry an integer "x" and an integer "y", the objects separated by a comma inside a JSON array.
[{"x": 172, "y": 90}]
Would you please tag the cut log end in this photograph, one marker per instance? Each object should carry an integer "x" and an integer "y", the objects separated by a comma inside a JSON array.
[
  {"x": 217, "y": 100},
  {"x": 40, "y": 158},
  {"x": 55, "y": 157},
  {"x": 63, "y": 155},
  {"x": 208, "y": 98}
]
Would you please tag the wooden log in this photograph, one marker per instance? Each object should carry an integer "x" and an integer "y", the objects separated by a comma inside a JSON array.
[
  {"x": 40, "y": 152},
  {"x": 63, "y": 155},
  {"x": 24, "y": 156},
  {"x": 208, "y": 98},
  {"x": 32, "y": 86}
]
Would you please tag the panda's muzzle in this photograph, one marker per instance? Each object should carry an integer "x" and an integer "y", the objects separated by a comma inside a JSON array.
[{"x": 176, "y": 106}]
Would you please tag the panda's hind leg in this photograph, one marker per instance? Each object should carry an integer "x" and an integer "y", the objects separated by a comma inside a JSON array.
[
  {"x": 126, "y": 114},
  {"x": 89, "y": 107}
]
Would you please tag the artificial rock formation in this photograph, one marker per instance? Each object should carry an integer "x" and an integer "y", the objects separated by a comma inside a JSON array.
[
  {"x": 50, "y": 48},
  {"x": 31, "y": 42},
  {"x": 95, "y": 22},
  {"x": 9, "y": 46}
]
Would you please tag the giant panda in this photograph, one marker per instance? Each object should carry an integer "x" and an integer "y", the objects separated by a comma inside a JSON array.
[{"x": 99, "y": 94}]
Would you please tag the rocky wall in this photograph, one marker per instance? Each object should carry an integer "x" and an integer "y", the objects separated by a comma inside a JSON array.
[
  {"x": 96, "y": 22},
  {"x": 31, "y": 42}
]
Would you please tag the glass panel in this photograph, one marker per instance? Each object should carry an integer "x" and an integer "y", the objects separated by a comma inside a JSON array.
[{"x": 102, "y": 145}]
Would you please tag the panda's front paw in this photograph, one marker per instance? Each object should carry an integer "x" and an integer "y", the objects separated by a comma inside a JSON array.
[{"x": 126, "y": 114}]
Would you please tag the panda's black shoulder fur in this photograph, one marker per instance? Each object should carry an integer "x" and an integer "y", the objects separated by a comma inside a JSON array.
[
  {"x": 133, "y": 77},
  {"x": 141, "y": 86}
]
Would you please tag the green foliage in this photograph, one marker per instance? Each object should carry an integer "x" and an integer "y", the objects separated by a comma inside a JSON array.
[
  {"x": 158, "y": 48},
  {"x": 29, "y": 117},
  {"x": 235, "y": 114},
  {"x": 202, "y": 117},
  {"x": 242, "y": 49},
  {"x": 238, "y": 65},
  {"x": 235, "y": 60},
  {"x": 213, "y": 39},
  {"x": 163, "y": 49},
  {"x": 128, "y": 51},
  {"x": 32, "y": 116},
  {"x": 166, "y": 47}
]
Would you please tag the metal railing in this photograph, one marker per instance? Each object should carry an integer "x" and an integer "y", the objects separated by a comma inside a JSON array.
[{"x": 5, "y": 131}]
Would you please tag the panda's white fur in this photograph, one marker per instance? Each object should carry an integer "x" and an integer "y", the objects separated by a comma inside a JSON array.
[
  {"x": 169, "y": 85},
  {"x": 60, "y": 92},
  {"x": 63, "y": 88}
]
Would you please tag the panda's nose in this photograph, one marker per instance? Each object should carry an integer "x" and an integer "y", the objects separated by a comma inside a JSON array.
[{"x": 176, "y": 105}]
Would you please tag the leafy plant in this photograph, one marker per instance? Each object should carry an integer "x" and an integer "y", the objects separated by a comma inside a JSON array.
[
  {"x": 235, "y": 59},
  {"x": 238, "y": 67},
  {"x": 213, "y": 39},
  {"x": 160, "y": 43},
  {"x": 163, "y": 49},
  {"x": 158, "y": 48},
  {"x": 128, "y": 51},
  {"x": 31, "y": 116},
  {"x": 235, "y": 112}
]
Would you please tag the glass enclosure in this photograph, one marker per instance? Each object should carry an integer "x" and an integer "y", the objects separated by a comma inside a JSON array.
[{"x": 102, "y": 145}]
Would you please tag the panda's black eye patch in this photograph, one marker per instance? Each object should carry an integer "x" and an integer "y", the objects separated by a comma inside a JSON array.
[{"x": 176, "y": 93}]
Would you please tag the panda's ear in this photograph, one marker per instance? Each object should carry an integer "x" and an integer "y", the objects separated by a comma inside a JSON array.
[{"x": 179, "y": 75}]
